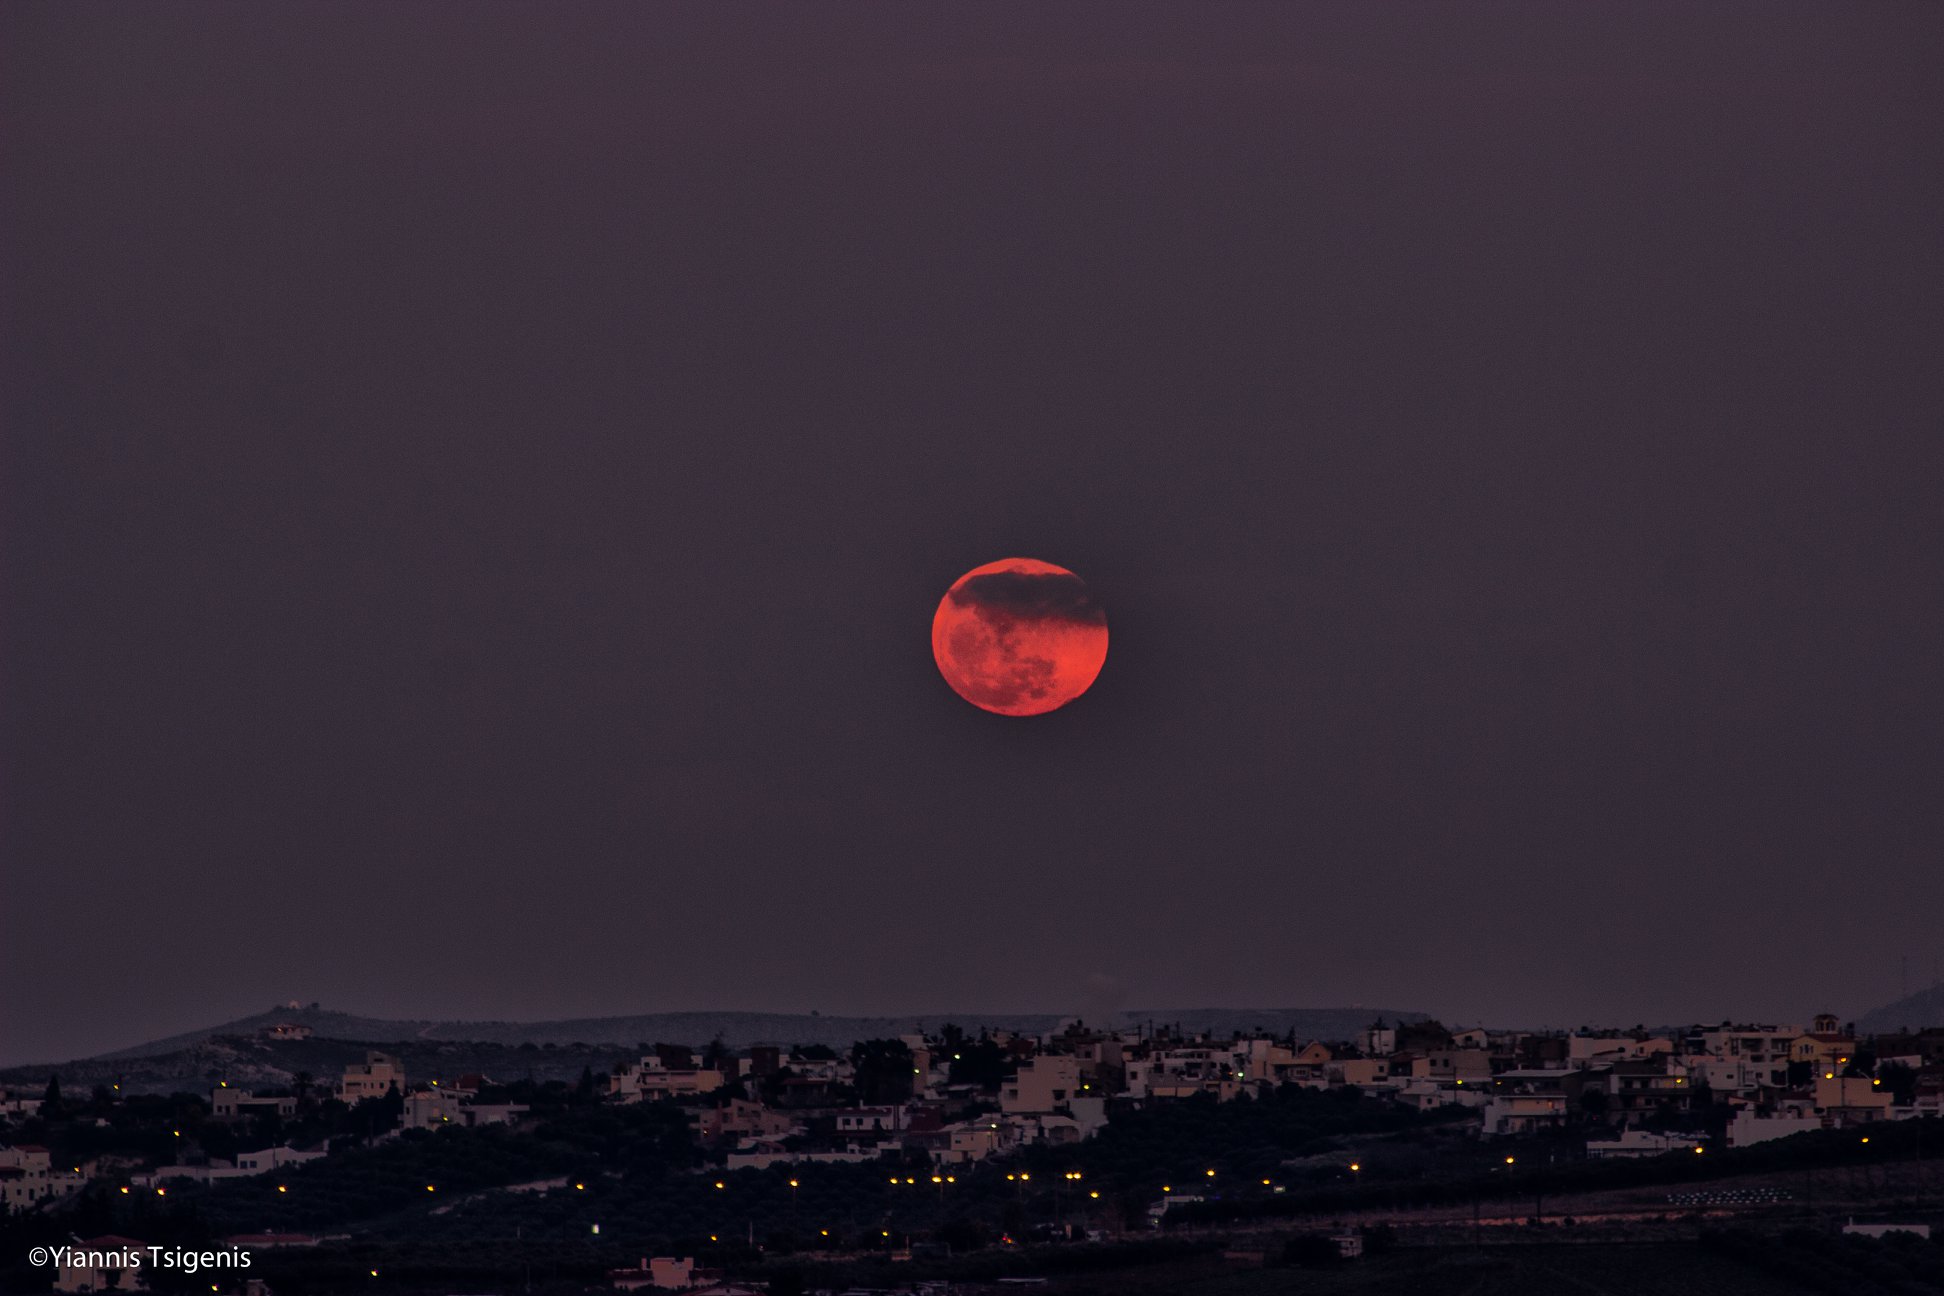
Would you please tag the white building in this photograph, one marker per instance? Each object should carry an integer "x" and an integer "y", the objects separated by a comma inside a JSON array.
[
  {"x": 28, "y": 1177},
  {"x": 869, "y": 1120},
  {"x": 1525, "y": 1102},
  {"x": 1046, "y": 1084},
  {"x": 275, "y": 1158},
  {"x": 1639, "y": 1143},
  {"x": 227, "y": 1104},
  {"x": 651, "y": 1080},
  {"x": 377, "y": 1076}
]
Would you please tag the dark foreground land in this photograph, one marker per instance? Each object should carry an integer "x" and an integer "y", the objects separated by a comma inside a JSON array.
[
  {"x": 1190, "y": 1196},
  {"x": 1723, "y": 1266}
]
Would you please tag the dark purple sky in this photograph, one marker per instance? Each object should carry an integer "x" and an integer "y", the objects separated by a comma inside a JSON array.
[{"x": 477, "y": 480}]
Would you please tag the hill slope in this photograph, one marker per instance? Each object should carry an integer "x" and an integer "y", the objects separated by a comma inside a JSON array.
[
  {"x": 1916, "y": 1011},
  {"x": 741, "y": 1029}
]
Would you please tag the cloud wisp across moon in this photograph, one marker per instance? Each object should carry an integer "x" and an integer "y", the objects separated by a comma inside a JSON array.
[{"x": 1019, "y": 637}]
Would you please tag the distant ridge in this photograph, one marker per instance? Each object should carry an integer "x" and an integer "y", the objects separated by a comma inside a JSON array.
[
  {"x": 1925, "y": 1008},
  {"x": 742, "y": 1029}
]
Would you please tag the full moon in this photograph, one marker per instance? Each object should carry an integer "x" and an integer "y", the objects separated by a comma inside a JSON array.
[{"x": 1019, "y": 637}]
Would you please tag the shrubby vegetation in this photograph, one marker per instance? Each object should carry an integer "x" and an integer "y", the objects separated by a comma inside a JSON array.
[{"x": 1838, "y": 1265}]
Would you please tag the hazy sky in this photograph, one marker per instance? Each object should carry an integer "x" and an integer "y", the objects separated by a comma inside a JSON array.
[{"x": 477, "y": 480}]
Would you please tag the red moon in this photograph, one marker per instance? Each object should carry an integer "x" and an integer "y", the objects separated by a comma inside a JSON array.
[{"x": 1019, "y": 637}]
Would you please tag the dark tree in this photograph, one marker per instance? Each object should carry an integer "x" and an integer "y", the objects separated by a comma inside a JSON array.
[
  {"x": 1310, "y": 1250},
  {"x": 982, "y": 1063},
  {"x": 883, "y": 1070},
  {"x": 1900, "y": 1080}
]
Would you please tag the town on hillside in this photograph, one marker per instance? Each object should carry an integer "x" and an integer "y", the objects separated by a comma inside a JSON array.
[{"x": 927, "y": 1112}]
